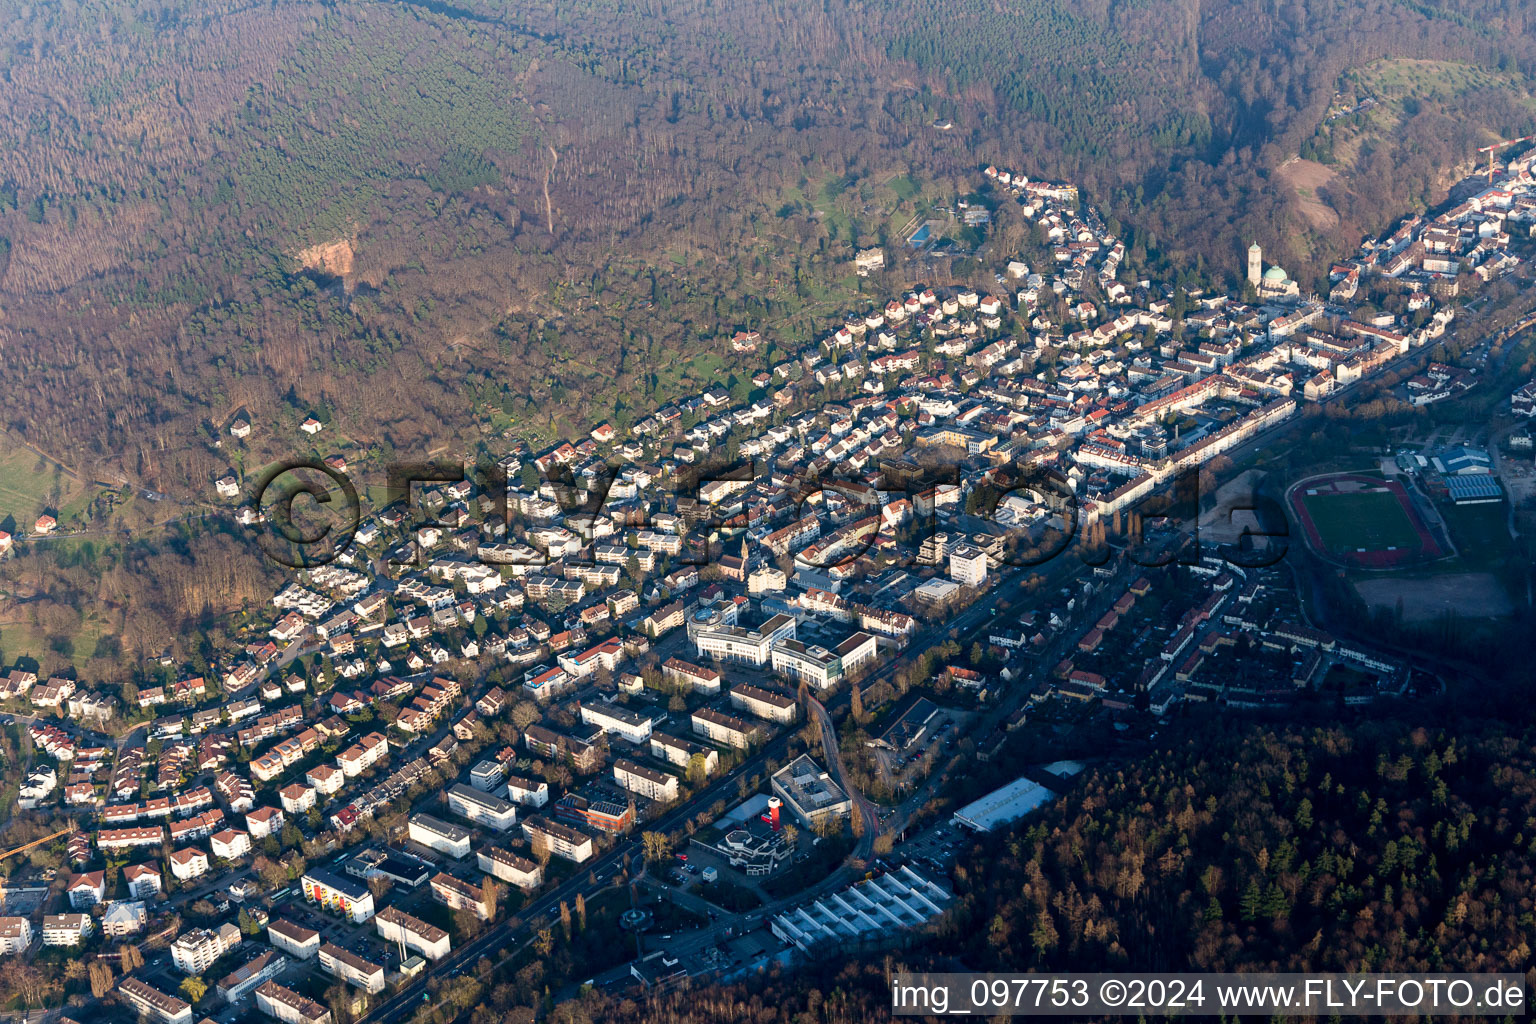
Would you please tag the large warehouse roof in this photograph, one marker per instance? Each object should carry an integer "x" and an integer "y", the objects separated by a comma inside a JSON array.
[{"x": 1001, "y": 806}]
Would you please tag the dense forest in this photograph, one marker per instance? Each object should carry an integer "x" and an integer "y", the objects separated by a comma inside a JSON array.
[
  {"x": 429, "y": 220},
  {"x": 1372, "y": 845},
  {"x": 1331, "y": 848}
]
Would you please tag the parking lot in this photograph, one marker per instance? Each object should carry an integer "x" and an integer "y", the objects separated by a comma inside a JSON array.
[
  {"x": 934, "y": 849},
  {"x": 361, "y": 939}
]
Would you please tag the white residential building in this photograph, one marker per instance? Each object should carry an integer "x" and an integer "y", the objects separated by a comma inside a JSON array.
[
  {"x": 617, "y": 720},
  {"x": 436, "y": 834},
  {"x": 86, "y": 890},
  {"x": 124, "y": 917},
  {"x": 561, "y": 840},
  {"x": 143, "y": 880},
  {"x": 293, "y": 939},
  {"x": 351, "y": 968},
  {"x": 189, "y": 863},
  {"x": 230, "y": 844},
  {"x": 509, "y": 867},
  {"x": 680, "y": 750},
  {"x": 326, "y": 779},
  {"x": 397, "y": 926},
  {"x": 15, "y": 934},
  {"x": 718, "y": 727},
  {"x": 288, "y": 1006},
  {"x": 154, "y": 1004},
  {"x": 528, "y": 792},
  {"x": 65, "y": 929},
  {"x": 481, "y": 808},
  {"x": 296, "y": 798},
  {"x": 646, "y": 782},
  {"x": 775, "y": 707},
  {"x": 195, "y": 951},
  {"x": 263, "y": 822}
]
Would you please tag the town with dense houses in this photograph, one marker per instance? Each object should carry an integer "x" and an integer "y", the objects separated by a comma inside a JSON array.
[{"x": 616, "y": 679}]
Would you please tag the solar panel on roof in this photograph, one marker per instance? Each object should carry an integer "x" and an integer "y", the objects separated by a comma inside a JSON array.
[{"x": 1480, "y": 486}]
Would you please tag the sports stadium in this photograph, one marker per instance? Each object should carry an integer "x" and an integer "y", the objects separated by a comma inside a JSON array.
[{"x": 1363, "y": 522}]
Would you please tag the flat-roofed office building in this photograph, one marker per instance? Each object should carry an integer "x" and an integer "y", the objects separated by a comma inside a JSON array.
[
  {"x": 813, "y": 665},
  {"x": 809, "y": 793},
  {"x": 749, "y": 646}
]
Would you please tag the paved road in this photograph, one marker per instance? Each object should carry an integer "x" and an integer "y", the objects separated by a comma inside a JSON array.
[{"x": 834, "y": 758}]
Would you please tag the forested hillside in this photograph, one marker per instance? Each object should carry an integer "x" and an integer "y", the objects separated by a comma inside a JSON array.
[
  {"x": 1358, "y": 848},
  {"x": 424, "y": 221}
]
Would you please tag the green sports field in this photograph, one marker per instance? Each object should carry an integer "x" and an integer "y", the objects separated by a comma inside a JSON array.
[{"x": 1371, "y": 520}]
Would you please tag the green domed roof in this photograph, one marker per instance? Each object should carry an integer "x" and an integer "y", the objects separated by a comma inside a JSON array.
[{"x": 1275, "y": 275}]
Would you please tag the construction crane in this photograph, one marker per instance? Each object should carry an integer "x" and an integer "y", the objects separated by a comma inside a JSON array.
[
  {"x": 36, "y": 842},
  {"x": 1500, "y": 145}
]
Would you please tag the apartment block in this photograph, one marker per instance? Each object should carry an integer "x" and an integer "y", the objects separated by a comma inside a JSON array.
[
  {"x": 396, "y": 925},
  {"x": 333, "y": 892},
  {"x": 481, "y": 808},
  {"x": 460, "y": 895},
  {"x": 437, "y": 834},
  {"x": 646, "y": 782},
  {"x": 288, "y": 1006},
  {"x": 509, "y": 867},
  {"x": 293, "y": 939},
  {"x": 252, "y": 974},
  {"x": 561, "y": 840},
  {"x": 775, "y": 707},
  {"x": 153, "y": 1003},
  {"x": 718, "y": 727},
  {"x": 15, "y": 934},
  {"x": 351, "y": 968},
  {"x": 195, "y": 951}
]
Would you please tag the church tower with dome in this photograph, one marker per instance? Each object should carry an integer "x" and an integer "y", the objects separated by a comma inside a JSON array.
[
  {"x": 1273, "y": 283},
  {"x": 1277, "y": 284}
]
